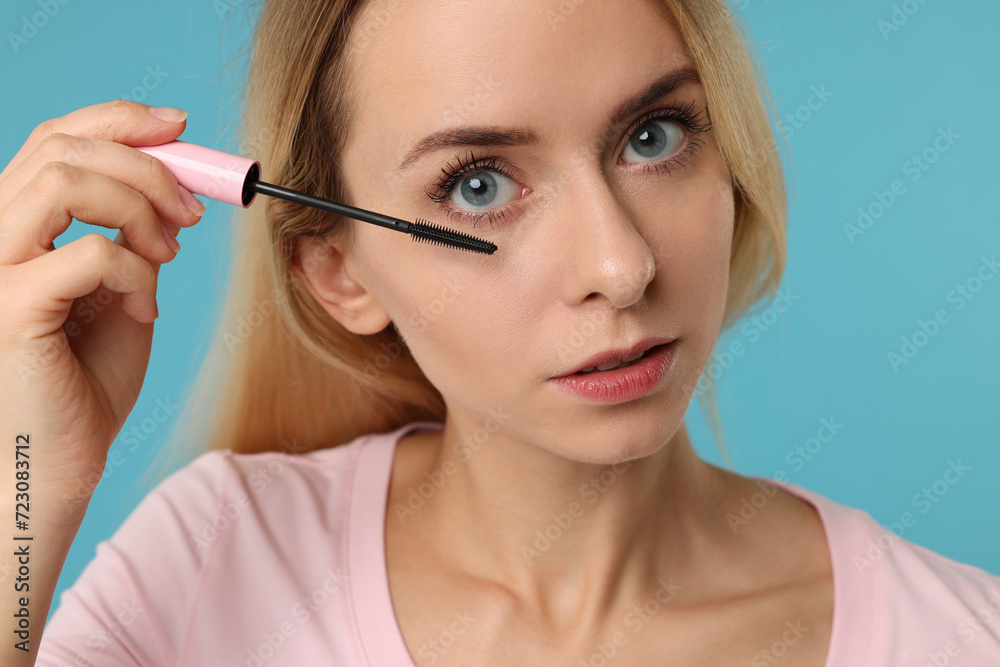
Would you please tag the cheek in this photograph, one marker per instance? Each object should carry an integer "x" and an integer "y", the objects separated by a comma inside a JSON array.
[
  {"x": 459, "y": 314},
  {"x": 692, "y": 244},
  {"x": 714, "y": 240},
  {"x": 692, "y": 240}
]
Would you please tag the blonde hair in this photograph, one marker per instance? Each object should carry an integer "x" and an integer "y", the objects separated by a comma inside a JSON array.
[{"x": 281, "y": 374}]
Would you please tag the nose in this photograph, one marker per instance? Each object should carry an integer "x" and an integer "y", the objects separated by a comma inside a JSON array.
[{"x": 607, "y": 255}]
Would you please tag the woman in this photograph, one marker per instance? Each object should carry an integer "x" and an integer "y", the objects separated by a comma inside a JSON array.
[{"x": 450, "y": 500}]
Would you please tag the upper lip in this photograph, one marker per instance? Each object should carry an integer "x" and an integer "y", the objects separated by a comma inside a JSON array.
[{"x": 621, "y": 353}]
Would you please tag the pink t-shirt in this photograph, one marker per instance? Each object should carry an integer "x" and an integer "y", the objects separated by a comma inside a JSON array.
[{"x": 270, "y": 559}]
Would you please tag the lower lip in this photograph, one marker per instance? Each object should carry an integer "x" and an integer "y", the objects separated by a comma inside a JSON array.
[{"x": 620, "y": 384}]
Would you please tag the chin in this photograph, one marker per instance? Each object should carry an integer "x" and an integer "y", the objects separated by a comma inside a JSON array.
[{"x": 621, "y": 444}]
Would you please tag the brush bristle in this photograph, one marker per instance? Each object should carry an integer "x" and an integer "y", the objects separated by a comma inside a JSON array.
[{"x": 425, "y": 231}]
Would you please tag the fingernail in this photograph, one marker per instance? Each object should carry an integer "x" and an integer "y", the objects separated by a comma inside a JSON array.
[
  {"x": 191, "y": 202},
  {"x": 171, "y": 241},
  {"x": 168, "y": 114}
]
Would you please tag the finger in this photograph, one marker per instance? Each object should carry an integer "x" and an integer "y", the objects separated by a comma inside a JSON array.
[
  {"x": 121, "y": 121},
  {"x": 45, "y": 208},
  {"x": 122, "y": 241},
  {"x": 75, "y": 270},
  {"x": 138, "y": 170}
]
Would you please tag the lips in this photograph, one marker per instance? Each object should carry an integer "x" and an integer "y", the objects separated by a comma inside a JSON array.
[
  {"x": 616, "y": 356},
  {"x": 621, "y": 363}
]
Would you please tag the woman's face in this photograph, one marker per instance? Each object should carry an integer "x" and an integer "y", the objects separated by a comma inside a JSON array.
[{"x": 602, "y": 240}]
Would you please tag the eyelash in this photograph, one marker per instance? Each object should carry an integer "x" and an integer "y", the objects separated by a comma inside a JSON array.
[{"x": 695, "y": 123}]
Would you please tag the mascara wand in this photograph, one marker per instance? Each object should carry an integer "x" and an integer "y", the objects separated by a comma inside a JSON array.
[{"x": 236, "y": 180}]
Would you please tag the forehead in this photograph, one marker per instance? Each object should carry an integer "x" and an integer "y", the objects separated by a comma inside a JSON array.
[{"x": 420, "y": 66}]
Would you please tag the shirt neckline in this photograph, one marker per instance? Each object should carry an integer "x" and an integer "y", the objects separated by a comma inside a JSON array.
[
  {"x": 379, "y": 633},
  {"x": 852, "y": 634}
]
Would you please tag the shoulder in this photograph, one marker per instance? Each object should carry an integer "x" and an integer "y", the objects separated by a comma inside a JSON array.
[
  {"x": 223, "y": 477},
  {"x": 221, "y": 494},
  {"x": 914, "y": 600},
  {"x": 223, "y": 505},
  {"x": 256, "y": 539},
  {"x": 909, "y": 571},
  {"x": 914, "y": 577},
  {"x": 925, "y": 599}
]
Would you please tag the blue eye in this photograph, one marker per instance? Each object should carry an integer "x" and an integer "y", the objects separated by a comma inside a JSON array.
[
  {"x": 476, "y": 185},
  {"x": 650, "y": 140},
  {"x": 483, "y": 190}
]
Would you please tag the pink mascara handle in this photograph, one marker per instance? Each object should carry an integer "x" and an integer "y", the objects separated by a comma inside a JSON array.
[{"x": 208, "y": 172}]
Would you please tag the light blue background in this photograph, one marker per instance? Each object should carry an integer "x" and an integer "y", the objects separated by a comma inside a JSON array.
[{"x": 825, "y": 357}]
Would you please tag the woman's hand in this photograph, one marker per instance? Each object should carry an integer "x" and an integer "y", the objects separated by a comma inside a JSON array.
[{"x": 77, "y": 320}]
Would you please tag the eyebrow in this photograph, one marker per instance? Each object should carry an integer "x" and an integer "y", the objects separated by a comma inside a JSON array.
[{"x": 521, "y": 136}]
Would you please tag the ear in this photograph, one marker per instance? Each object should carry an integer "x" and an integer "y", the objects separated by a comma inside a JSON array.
[{"x": 333, "y": 279}]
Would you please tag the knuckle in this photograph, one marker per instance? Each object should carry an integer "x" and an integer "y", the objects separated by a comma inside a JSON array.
[
  {"x": 115, "y": 114},
  {"x": 43, "y": 129},
  {"x": 143, "y": 206},
  {"x": 56, "y": 176},
  {"x": 97, "y": 248},
  {"x": 133, "y": 273},
  {"x": 120, "y": 109},
  {"x": 56, "y": 146},
  {"x": 154, "y": 171},
  {"x": 140, "y": 212}
]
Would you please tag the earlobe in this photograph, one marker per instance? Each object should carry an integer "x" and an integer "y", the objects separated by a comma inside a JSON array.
[{"x": 332, "y": 277}]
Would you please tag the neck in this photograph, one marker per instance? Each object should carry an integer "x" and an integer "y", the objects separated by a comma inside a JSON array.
[{"x": 568, "y": 536}]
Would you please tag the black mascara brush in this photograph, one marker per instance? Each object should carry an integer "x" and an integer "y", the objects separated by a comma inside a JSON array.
[{"x": 236, "y": 180}]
